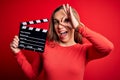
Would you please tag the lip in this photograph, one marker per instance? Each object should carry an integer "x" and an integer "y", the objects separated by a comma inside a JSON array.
[
  {"x": 62, "y": 35},
  {"x": 62, "y": 31}
]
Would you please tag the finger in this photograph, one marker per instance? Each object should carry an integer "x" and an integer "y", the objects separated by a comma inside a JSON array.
[
  {"x": 14, "y": 44},
  {"x": 12, "y": 47},
  {"x": 68, "y": 8},
  {"x": 64, "y": 18},
  {"x": 71, "y": 12},
  {"x": 15, "y": 41},
  {"x": 16, "y": 38},
  {"x": 64, "y": 7}
]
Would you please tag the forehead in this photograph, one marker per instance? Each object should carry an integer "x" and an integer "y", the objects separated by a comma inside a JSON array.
[{"x": 59, "y": 14}]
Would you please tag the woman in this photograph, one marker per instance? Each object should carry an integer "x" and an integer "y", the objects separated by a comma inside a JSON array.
[{"x": 66, "y": 54}]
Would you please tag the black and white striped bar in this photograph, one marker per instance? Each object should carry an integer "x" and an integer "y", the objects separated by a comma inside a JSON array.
[
  {"x": 31, "y": 38},
  {"x": 34, "y": 22}
]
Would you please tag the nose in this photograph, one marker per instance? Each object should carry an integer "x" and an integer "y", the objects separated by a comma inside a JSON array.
[{"x": 61, "y": 25}]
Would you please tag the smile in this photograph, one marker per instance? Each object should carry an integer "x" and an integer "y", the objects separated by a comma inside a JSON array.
[{"x": 63, "y": 34}]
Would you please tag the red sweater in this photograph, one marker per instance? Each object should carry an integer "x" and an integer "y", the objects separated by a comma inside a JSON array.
[{"x": 68, "y": 63}]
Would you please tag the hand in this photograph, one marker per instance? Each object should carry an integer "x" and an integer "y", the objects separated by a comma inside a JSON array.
[
  {"x": 14, "y": 45},
  {"x": 68, "y": 10}
]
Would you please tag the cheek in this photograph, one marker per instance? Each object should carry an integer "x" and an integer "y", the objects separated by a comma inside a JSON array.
[
  {"x": 69, "y": 25},
  {"x": 71, "y": 33},
  {"x": 55, "y": 29}
]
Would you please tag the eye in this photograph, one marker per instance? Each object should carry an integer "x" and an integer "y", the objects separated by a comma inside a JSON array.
[
  {"x": 66, "y": 20},
  {"x": 55, "y": 21}
]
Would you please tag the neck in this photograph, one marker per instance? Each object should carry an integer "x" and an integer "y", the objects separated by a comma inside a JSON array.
[{"x": 67, "y": 43}]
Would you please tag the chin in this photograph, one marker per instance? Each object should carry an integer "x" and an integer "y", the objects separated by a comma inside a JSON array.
[{"x": 64, "y": 40}]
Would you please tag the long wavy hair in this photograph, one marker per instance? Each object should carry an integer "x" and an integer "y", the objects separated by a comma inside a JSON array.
[{"x": 52, "y": 36}]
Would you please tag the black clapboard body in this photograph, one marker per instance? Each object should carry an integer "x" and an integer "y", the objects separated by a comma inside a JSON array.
[{"x": 31, "y": 38}]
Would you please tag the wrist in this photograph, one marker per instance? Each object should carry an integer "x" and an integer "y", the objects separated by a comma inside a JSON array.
[
  {"x": 16, "y": 51},
  {"x": 77, "y": 28}
]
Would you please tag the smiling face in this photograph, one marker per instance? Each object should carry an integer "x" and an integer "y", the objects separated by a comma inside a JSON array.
[
  {"x": 63, "y": 27},
  {"x": 60, "y": 28}
]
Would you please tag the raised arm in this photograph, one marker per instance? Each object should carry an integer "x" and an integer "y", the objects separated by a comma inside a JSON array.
[{"x": 100, "y": 46}]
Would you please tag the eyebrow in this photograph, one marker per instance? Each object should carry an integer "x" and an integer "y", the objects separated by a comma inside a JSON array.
[
  {"x": 60, "y": 19},
  {"x": 54, "y": 19}
]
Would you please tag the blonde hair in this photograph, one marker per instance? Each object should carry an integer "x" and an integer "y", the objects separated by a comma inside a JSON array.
[{"x": 52, "y": 36}]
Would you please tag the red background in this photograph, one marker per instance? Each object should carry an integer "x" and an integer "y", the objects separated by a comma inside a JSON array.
[{"x": 103, "y": 16}]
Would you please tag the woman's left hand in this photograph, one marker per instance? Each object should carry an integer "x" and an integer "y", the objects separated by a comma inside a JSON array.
[{"x": 68, "y": 10}]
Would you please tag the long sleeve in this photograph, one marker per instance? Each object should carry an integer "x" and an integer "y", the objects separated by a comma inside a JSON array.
[
  {"x": 100, "y": 46},
  {"x": 26, "y": 66}
]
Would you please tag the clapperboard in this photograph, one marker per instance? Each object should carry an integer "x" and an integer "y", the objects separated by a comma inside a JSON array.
[{"x": 31, "y": 38}]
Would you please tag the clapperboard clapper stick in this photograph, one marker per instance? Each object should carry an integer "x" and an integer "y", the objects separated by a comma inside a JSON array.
[{"x": 31, "y": 38}]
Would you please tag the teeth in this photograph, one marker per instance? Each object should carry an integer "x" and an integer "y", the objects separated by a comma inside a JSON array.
[{"x": 63, "y": 32}]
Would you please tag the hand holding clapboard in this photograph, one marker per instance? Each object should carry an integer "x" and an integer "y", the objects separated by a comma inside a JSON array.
[{"x": 31, "y": 38}]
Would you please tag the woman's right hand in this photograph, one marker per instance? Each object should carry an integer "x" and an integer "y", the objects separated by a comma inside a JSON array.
[{"x": 14, "y": 45}]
